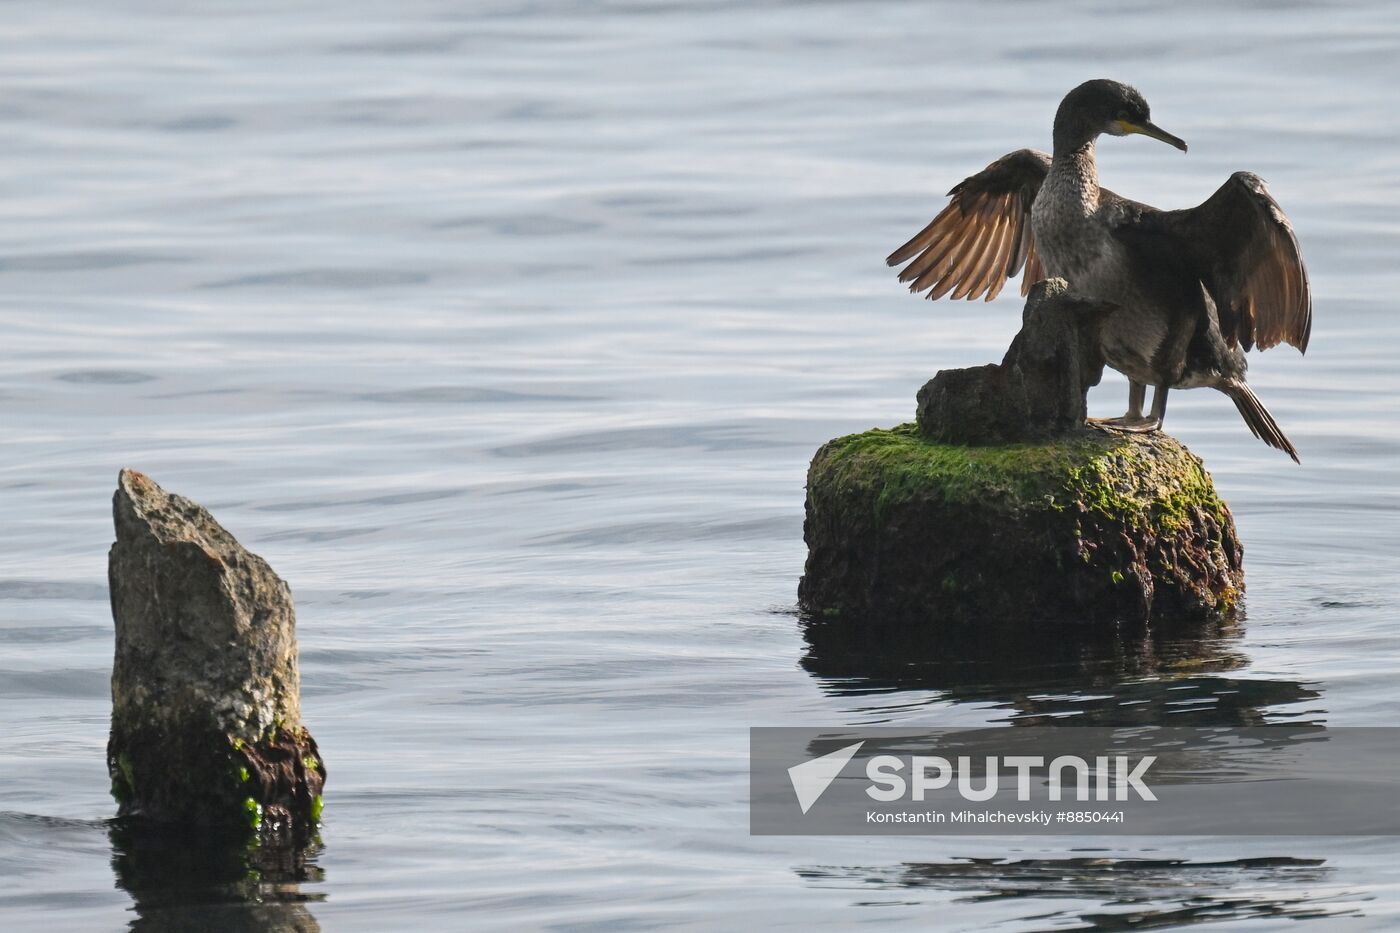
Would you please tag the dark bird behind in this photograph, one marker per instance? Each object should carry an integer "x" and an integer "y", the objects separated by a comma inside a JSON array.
[{"x": 1194, "y": 288}]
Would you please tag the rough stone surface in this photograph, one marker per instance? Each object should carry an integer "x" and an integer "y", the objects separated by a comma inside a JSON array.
[
  {"x": 1037, "y": 391},
  {"x": 206, "y": 717},
  {"x": 1092, "y": 529}
]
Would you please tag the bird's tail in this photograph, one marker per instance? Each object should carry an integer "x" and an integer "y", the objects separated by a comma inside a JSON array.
[{"x": 1261, "y": 424}]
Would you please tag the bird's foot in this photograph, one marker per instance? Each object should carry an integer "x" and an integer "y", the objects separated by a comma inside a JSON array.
[{"x": 1133, "y": 424}]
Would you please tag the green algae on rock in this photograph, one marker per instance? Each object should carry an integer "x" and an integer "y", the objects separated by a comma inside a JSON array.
[
  {"x": 1092, "y": 527},
  {"x": 206, "y": 711}
]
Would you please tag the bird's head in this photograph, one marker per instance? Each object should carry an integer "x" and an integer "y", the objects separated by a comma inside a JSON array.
[{"x": 1104, "y": 106}]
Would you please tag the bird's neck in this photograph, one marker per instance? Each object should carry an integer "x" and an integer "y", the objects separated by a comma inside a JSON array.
[{"x": 1074, "y": 170}]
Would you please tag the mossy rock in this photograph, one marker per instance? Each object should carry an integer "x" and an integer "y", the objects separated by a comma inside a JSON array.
[
  {"x": 1097, "y": 529},
  {"x": 206, "y": 703}
]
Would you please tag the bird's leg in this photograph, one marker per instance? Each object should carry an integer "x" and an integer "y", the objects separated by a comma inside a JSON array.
[
  {"x": 1159, "y": 406},
  {"x": 1153, "y": 422},
  {"x": 1133, "y": 420},
  {"x": 1137, "y": 394}
]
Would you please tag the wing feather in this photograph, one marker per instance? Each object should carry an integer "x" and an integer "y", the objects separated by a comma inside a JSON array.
[
  {"x": 977, "y": 259},
  {"x": 1023, "y": 251},
  {"x": 983, "y": 236},
  {"x": 1034, "y": 271},
  {"x": 1249, "y": 258},
  {"x": 949, "y": 239},
  {"x": 991, "y": 282}
]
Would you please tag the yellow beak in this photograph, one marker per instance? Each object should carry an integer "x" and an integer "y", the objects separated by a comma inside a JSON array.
[{"x": 1148, "y": 128}]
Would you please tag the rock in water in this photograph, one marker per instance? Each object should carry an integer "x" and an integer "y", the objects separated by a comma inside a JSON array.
[
  {"x": 1000, "y": 515},
  {"x": 1091, "y": 528},
  {"x": 1038, "y": 389},
  {"x": 206, "y": 713}
]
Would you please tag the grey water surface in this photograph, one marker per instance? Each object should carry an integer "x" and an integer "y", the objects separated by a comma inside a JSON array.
[{"x": 505, "y": 332}]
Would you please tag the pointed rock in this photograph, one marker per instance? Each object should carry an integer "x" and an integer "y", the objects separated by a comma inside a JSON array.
[{"x": 206, "y": 713}]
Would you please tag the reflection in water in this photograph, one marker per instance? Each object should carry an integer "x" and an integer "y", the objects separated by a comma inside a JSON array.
[
  {"x": 184, "y": 882},
  {"x": 1063, "y": 678},
  {"x": 1141, "y": 678},
  {"x": 1135, "y": 894}
]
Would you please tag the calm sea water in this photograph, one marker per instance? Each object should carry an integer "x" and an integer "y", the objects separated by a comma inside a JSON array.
[{"x": 505, "y": 332}]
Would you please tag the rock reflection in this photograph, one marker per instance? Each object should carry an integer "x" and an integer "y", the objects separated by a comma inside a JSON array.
[
  {"x": 183, "y": 882},
  {"x": 1128, "y": 679},
  {"x": 1132, "y": 894},
  {"x": 1059, "y": 676}
]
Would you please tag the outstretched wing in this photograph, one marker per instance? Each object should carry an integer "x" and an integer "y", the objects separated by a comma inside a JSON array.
[
  {"x": 983, "y": 236},
  {"x": 1250, "y": 262}
]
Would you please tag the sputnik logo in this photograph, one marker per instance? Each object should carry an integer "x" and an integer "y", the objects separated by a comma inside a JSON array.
[{"x": 811, "y": 778}]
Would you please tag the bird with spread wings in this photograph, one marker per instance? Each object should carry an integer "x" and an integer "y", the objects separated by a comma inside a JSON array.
[{"x": 1196, "y": 287}]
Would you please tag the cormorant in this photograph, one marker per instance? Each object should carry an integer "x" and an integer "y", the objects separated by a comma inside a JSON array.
[{"x": 1195, "y": 288}]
